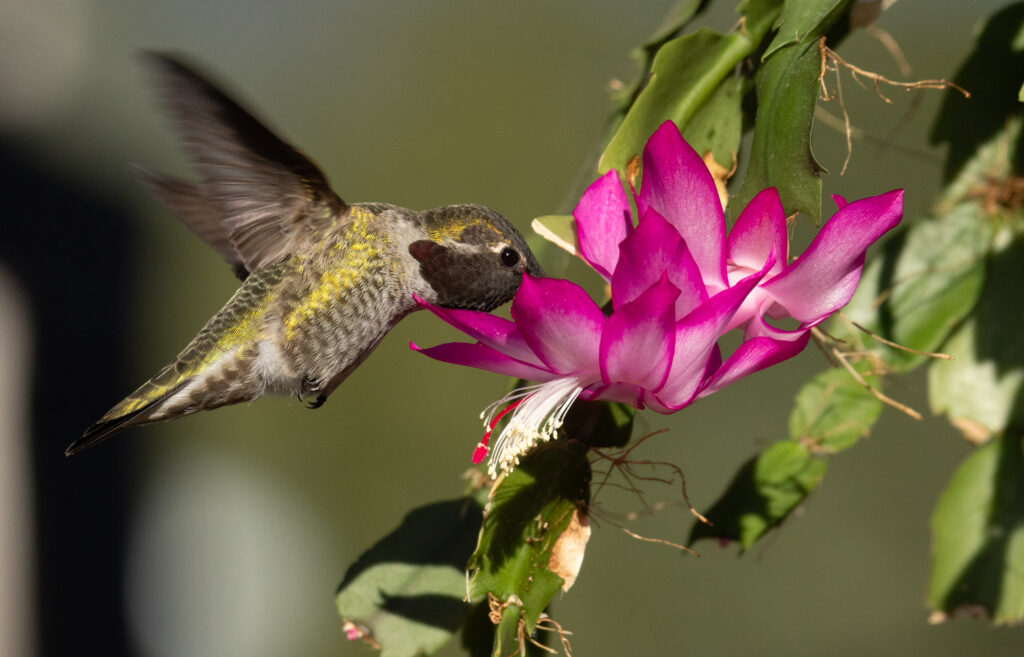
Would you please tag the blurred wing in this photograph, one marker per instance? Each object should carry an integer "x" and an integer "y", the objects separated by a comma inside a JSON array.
[
  {"x": 270, "y": 196},
  {"x": 196, "y": 211}
]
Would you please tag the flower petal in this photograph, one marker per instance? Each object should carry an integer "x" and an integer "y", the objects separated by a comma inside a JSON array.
[
  {"x": 602, "y": 222},
  {"x": 824, "y": 277},
  {"x": 491, "y": 330},
  {"x": 759, "y": 229},
  {"x": 677, "y": 184},
  {"x": 696, "y": 336},
  {"x": 626, "y": 393},
  {"x": 753, "y": 356},
  {"x": 484, "y": 358},
  {"x": 560, "y": 323},
  {"x": 652, "y": 250},
  {"x": 637, "y": 342}
]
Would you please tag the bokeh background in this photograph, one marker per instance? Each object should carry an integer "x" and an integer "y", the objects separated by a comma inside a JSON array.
[{"x": 226, "y": 533}]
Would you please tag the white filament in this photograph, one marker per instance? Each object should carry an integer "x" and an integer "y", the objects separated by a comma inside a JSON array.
[{"x": 537, "y": 418}]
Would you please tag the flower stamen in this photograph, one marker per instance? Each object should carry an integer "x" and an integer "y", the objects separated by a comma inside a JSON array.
[
  {"x": 480, "y": 453},
  {"x": 538, "y": 415}
]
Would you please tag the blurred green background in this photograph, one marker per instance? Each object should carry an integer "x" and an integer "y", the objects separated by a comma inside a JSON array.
[{"x": 231, "y": 529}]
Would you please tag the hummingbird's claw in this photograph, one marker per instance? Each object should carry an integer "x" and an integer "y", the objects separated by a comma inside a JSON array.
[{"x": 308, "y": 388}]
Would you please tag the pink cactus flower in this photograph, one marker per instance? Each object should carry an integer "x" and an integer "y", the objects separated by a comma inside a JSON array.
[{"x": 678, "y": 283}]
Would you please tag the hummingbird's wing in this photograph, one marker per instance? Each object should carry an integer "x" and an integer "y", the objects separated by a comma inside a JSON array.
[
  {"x": 196, "y": 211},
  {"x": 270, "y": 196}
]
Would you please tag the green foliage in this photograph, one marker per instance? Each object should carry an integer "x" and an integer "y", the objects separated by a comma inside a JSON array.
[
  {"x": 527, "y": 512},
  {"x": 978, "y": 536},
  {"x": 950, "y": 280},
  {"x": 685, "y": 74},
  {"x": 802, "y": 22},
  {"x": 982, "y": 388},
  {"x": 718, "y": 125},
  {"x": 833, "y": 411},
  {"x": 683, "y": 79},
  {"x": 991, "y": 74},
  {"x": 764, "y": 491},
  {"x": 406, "y": 592},
  {"x": 787, "y": 93},
  {"x": 928, "y": 279}
]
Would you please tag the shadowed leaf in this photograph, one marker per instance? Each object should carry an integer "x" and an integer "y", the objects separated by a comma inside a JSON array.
[
  {"x": 978, "y": 536},
  {"x": 765, "y": 490},
  {"x": 406, "y": 592},
  {"x": 983, "y": 386}
]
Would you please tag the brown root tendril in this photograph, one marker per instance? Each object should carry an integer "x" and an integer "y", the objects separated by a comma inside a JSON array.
[
  {"x": 832, "y": 62},
  {"x": 619, "y": 462},
  {"x": 841, "y": 354}
]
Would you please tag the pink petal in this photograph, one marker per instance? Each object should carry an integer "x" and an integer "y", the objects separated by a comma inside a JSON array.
[
  {"x": 627, "y": 393},
  {"x": 755, "y": 355},
  {"x": 824, "y": 277},
  {"x": 491, "y": 330},
  {"x": 696, "y": 337},
  {"x": 560, "y": 323},
  {"x": 652, "y": 250},
  {"x": 636, "y": 346},
  {"x": 484, "y": 358},
  {"x": 760, "y": 229},
  {"x": 602, "y": 222},
  {"x": 677, "y": 184}
]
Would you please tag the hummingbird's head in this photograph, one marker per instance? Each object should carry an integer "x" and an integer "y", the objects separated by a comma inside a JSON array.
[{"x": 474, "y": 258}]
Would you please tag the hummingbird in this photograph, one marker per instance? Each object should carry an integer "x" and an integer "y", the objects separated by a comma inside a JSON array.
[{"x": 323, "y": 281}]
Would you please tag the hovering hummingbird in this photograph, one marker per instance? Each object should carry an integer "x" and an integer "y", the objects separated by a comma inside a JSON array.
[{"x": 323, "y": 281}]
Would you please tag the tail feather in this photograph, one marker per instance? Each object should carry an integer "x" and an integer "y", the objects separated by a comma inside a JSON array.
[
  {"x": 179, "y": 390},
  {"x": 104, "y": 429},
  {"x": 138, "y": 408}
]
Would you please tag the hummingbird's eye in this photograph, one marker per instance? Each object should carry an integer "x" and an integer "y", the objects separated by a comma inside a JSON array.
[{"x": 509, "y": 256}]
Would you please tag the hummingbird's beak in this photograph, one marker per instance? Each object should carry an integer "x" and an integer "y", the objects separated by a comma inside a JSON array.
[{"x": 533, "y": 267}]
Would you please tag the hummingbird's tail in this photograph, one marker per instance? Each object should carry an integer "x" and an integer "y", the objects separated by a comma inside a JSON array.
[
  {"x": 177, "y": 390},
  {"x": 137, "y": 408}
]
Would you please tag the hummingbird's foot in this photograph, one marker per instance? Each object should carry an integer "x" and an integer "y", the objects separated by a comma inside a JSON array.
[{"x": 308, "y": 392}]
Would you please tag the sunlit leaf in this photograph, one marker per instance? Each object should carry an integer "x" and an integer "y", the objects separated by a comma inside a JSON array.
[
  {"x": 978, "y": 536},
  {"x": 672, "y": 25},
  {"x": 787, "y": 92},
  {"x": 406, "y": 592},
  {"x": 686, "y": 72},
  {"x": 984, "y": 385},
  {"x": 759, "y": 16},
  {"x": 833, "y": 411},
  {"x": 527, "y": 513},
  {"x": 803, "y": 19},
  {"x": 763, "y": 493},
  {"x": 923, "y": 284}
]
